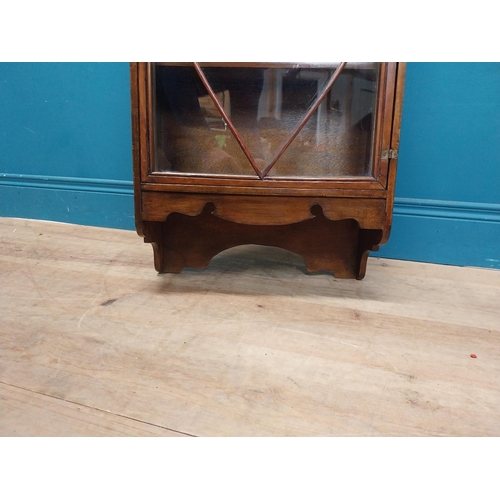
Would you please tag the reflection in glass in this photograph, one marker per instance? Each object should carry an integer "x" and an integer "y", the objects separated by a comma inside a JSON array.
[{"x": 265, "y": 103}]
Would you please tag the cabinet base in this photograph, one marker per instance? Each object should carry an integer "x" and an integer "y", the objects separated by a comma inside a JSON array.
[{"x": 341, "y": 247}]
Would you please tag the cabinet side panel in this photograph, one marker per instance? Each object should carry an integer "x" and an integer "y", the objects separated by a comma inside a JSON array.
[
  {"x": 396, "y": 128},
  {"x": 136, "y": 147}
]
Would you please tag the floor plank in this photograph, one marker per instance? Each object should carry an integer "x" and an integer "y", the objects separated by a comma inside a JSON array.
[
  {"x": 30, "y": 414},
  {"x": 251, "y": 346}
]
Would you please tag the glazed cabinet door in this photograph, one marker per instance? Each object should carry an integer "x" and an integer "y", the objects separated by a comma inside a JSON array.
[{"x": 266, "y": 121}]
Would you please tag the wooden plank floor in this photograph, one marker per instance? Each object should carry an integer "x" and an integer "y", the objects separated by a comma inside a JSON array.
[{"x": 94, "y": 343}]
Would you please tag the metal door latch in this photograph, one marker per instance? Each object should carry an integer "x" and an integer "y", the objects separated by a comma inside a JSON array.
[{"x": 389, "y": 154}]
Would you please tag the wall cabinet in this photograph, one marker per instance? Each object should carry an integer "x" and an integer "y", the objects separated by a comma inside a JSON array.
[{"x": 300, "y": 156}]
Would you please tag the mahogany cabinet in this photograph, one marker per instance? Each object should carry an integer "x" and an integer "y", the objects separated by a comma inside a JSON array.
[{"x": 300, "y": 156}]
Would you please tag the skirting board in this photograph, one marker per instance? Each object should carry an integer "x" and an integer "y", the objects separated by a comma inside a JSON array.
[
  {"x": 89, "y": 202},
  {"x": 441, "y": 232}
]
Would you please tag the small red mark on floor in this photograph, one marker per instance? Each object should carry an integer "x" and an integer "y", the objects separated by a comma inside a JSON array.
[{"x": 473, "y": 356}]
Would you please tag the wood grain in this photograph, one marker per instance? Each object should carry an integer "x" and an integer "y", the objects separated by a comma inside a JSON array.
[
  {"x": 27, "y": 413},
  {"x": 263, "y": 210},
  {"x": 96, "y": 343},
  {"x": 340, "y": 247}
]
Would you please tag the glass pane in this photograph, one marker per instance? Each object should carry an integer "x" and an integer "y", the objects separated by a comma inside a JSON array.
[{"x": 266, "y": 103}]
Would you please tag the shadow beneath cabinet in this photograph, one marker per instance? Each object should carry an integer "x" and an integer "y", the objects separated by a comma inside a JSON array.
[{"x": 263, "y": 270}]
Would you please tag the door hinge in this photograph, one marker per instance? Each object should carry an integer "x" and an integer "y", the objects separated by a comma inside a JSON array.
[{"x": 389, "y": 154}]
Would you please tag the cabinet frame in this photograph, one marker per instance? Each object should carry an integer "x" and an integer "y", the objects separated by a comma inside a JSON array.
[{"x": 273, "y": 201}]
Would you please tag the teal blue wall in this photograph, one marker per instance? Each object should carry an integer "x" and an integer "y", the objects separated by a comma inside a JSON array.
[
  {"x": 65, "y": 143},
  {"x": 65, "y": 154},
  {"x": 447, "y": 206}
]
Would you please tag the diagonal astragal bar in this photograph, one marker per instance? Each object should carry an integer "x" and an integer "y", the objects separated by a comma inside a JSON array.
[
  {"x": 300, "y": 126},
  {"x": 227, "y": 120},
  {"x": 311, "y": 111}
]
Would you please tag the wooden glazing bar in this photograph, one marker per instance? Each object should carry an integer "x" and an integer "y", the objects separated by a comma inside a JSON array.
[
  {"x": 353, "y": 66},
  {"x": 308, "y": 115},
  {"x": 227, "y": 120}
]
